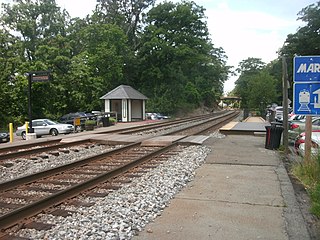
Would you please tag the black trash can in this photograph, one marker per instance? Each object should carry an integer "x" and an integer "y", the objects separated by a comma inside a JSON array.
[
  {"x": 105, "y": 121},
  {"x": 273, "y": 136}
]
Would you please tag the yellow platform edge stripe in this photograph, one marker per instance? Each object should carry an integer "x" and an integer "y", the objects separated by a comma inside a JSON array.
[
  {"x": 229, "y": 126},
  {"x": 254, "y": 119}
]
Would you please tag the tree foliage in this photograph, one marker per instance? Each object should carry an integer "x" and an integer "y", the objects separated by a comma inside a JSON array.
[
  {"x": 255, "y": 86},
  {"x": 164, "y": 51},
  {"x": 305, "y": 42},
  {"x": 177, "y": 56},
  {"x": 128, "y": 15}
]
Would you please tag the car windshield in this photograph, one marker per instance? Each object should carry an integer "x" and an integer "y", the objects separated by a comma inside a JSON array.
[
  {"x": 50, "y": 122},
  {"x": 81, "y": 114}
]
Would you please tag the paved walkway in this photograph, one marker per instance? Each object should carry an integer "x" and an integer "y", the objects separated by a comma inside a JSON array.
[
  {"x": 241, "y": 192},
  {"x": 254, "y": 119}
]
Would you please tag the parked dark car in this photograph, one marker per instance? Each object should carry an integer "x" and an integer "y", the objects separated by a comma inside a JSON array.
[
  {"x": 90, "y": 116},
  {"x": 4, "y": 137},
  {"x": 83, "y": 116},
  {"x": 70, "y": 119}
]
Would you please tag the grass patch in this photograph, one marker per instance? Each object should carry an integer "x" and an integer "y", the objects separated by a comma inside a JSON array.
[{"x": 309, "y": 175}]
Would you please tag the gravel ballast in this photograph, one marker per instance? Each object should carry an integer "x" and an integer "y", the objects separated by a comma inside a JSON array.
[
  {"x": 15, "y": 168},
  {"x": 123, "y": 213}
]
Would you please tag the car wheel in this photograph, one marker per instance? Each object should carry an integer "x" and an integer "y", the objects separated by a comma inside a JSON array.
[
  {"x": 54, "y": 132},
  {"x": 24, "y": 135}
]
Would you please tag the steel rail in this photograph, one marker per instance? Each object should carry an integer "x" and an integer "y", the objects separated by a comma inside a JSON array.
[
  {"x": 42, "y": 149},
  {"x": 232, "y": 116},
  {"x": 229, "y": 115},
  {"x": 14, "y": 150},
  {"x": 168, "y": 123},
  {"x": 26, "y": 179},
  {"x": 47, "y": 173},
  {"x": 144, "y": 127},
  {"x": 14, "y": 217}
]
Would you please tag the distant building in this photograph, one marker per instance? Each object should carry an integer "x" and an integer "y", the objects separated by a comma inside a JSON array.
[{"x": 128, "y": 103}]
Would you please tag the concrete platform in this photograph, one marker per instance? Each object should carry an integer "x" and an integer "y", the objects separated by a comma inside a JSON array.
[
  {"x": 107, "y": 138},
  {"x": 196, "y": 139},
  {"x": 161, "y": 141},
  {"x": 241, "y": 192},
  {"x": 250, "y": 126},
  {"x": 145, "y": 140},
  {"x": 76, "y": 138}
]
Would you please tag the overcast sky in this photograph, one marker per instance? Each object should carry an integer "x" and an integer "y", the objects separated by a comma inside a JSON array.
[{"x": 243, "y": 28}]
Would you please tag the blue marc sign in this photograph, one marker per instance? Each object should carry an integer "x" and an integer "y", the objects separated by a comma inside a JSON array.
[
  {"x": 307, "y": 69},
  {"x": 306, "y": 89}
]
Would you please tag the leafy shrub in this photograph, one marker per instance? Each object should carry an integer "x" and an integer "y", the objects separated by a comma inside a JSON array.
[{"x": 90, "y": 122}]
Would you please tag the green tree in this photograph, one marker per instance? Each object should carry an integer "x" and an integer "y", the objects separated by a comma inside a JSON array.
[
  {"x": 128, "y": 15},
  {"x": 87, "y": 59},
  {"x": 248, "y": 70},
  {"x": 10, "y": 87},
  {"x": 41, "y": 29},
  {"x": 36, "y": 21},
  {"x": 96, "y": 68},
  {"x": 250, "y": 65},
  {"x": 262, "y": 90},
  {"x": 255, "y": 85},
  {"x": 176, "y": 55},
  {"x": 274, "y": 68},
  {"x": 305, "y": 42}
]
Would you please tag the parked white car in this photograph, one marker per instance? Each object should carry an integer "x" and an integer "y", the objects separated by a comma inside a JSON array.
[
  {"x": 46, "y": 127},
  {"x": 315, "y": 144}
]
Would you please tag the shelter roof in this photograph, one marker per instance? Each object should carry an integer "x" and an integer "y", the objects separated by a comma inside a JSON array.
[{"x": 124, "y": 92}]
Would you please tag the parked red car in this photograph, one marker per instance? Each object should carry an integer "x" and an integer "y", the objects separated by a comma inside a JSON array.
[{"x": 301, "y": 139}]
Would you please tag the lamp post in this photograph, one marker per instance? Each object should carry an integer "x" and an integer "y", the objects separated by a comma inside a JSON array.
[
  {"x": 39, "y": 76},
  {"x": 29, "y": 102}
]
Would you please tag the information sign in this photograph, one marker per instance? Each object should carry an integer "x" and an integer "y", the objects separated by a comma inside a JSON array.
[
  {"x": 306, "y": 89},
  {"x": 306, "y": 98},
  {"x": 307, "y": 69},
  {"x": 42, "y": 76}
]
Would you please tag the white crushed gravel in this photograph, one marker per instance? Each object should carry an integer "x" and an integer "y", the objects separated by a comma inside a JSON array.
[
  {"x": 20, "y": 167},
  {"x": 122, "y": 213}
]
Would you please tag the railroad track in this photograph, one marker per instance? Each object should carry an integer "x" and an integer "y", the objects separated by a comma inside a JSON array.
[
  {"x": 35, "y": 148},
  {"x": 209, "y": 124},
  {"x": 24, "y": 197},
  {"x": 29, "y": 149},
  {"x": 43, "y": 190}
]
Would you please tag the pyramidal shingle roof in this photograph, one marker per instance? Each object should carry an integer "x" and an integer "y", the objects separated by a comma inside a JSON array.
[{"x": 124, "y": 92}]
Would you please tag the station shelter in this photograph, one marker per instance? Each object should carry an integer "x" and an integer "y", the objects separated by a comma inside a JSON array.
[{"x": 128, "y": 103}]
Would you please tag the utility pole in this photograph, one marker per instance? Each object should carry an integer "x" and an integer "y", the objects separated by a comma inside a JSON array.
[{"x": 285, "y": 105}]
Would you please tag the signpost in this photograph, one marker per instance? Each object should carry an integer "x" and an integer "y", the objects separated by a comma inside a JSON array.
[
  {"x": 306, "y": 94},
  {"x": 306, "y": 85},
  {"x": 38, "y": 76}
]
